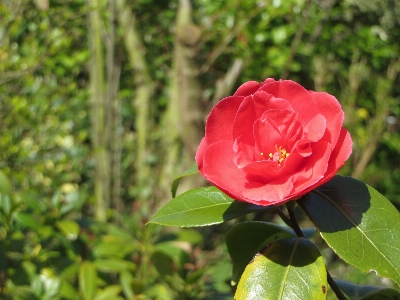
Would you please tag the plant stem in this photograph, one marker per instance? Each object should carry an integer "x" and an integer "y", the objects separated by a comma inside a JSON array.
[
  {"x": 283, "y": 216},
  {"x": 335, "y": 288},
  {"x": 293, "y": 221},
  {"x": 295, "y": 225}
]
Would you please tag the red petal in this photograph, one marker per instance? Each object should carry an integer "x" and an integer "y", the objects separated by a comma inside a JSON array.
[
  {"x": 219, "y": 169},
  {"x": 303, "y": 147},
  {"x": 300, "y": 99},
  {"x": 200, "y": 153},
  {"x": 330, "y": 107},
  {"x": 252, "y": 109},
  {"x": 317, "y": 162},
  {"x": 220, "y": 120},
  {"x": 315, "y": 129},
  {"x": 273, "y": 193},
  {"x": 245, "y": 153},
  {"x": 339, "y": 155},
  {"x": 247, "y": 88},
  {"x": 267, "y": 170},
  {"x": 283, "y": 119},
  {"x": 267, "y": 136}
]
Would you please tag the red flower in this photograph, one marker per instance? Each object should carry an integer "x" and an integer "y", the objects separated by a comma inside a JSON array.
[{"x": 273, "y": 142}]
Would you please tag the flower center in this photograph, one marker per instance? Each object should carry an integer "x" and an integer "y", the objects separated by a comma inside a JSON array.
[{"x": 279, "y": 155}]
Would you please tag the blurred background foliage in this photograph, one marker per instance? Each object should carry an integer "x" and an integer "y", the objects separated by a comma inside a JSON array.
[{"x": 103, "y": 102}]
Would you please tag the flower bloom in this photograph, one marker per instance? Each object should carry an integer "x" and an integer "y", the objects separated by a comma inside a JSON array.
[{"x": 272, "y": 142}]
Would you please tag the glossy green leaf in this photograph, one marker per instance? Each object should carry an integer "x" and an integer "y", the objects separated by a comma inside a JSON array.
[
  {"x": 114, "y": 265},
  {"x": 175, "y": 183},
  {"x": 27, "y": 220},
  {"x": 287, "y": 269},
  {"x": 87, "y": 280},
  {"x": 68, "y": 291},
  {"x": 177, "y": 251},
  {"x": 163, "y": 263},
  {"x": 52, "y": 287},
  {"x": 358, "y": 292},
  {"x": 245, "y": 239},
  {"x": 126, "y": 279},
  {"x": 5, "y": 205},
  {"x": 110, "y": 292},
  {"x": 5, "y": 184},
  {"x": 201, "y": 207},
  {"x": 69, "y": 228},
  {"x": 113, "y": 246},
  {"x": 358, "y": 223}
]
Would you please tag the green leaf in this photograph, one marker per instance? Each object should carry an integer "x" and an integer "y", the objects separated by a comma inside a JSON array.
[
  {"x": 163, "y": 263},
  {"x": 5, "y": 184},
  {"x": 27, "y": 220},
  {"x": 287, "y": 269},
  {"x": 114, "y": 265},
  {"x": 245, "y": 239},
  {"x": 201, "y": 207},
  {"x": 358, "y": 292},
  {"x": 69, "y": 228},
  {"x": 52, "y": 287},
  {"x": 113, "y": 246},
  {"x": 110, "y": 292},
  {"x": 6, "y": 206},
  {"x": 358, "y": 223},
  {"x": 175, "y": 183},
  {"x": 126, "y": 279},
  {"x": 87, "y": 280},
  {"x": 175, "y": 250}
]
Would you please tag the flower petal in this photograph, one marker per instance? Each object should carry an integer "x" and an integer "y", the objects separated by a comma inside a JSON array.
[
  {"x": 271, "y": 194},
  {"x": 267, "y": 136},
  {"x": 268, "y": 170},
  {"x": 339, "y": 155},
  {"x": 330, "y": 107},
  {"x": 220, "y": 121},
  {"x": 247, "y": 88},
  {"x": 317, "y": 162},
  {"x": 303, "y": 147},
  {"x": 244, "y": 153},
  {"x": 252, "y": 109},
  {"x": 282, "y": 118},
  {"x": 300, "y": 99},
  {"x": 200, "y": 154},
  {"x": 219, "y": 169},
  {"x": 315, "y": 129}
]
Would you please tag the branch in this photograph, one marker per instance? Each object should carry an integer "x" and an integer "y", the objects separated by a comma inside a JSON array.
[
  {"x": 225, "y": 84},
  {"x": 297, "y": 39}
]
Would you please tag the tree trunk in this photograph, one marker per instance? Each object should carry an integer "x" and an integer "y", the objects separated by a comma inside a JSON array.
[
  {"x": 144, "y": 92},
  {"x": 97, "y": 100}
]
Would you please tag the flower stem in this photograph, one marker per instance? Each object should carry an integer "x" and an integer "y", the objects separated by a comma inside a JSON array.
[
  {"x": 295, "y": 225},
  {"x": 335, "y": 288},
  {"x": 283, "y": 216},
  {"x": 293, "y": 221}
]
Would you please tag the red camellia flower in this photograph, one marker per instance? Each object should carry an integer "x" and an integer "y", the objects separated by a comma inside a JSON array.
[{"x": 273, "y": 142}]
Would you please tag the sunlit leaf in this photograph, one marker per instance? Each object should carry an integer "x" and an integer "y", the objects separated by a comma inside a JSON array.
[
  {"x": 287, "y": 269},
  {"x": 69, "y": 228},
  {"x": 87, "y": 280},
  {"x": 110, "y": 292},
  {"x": 175, "y": 183},
  {"x": 27, "y": 220},
  {"x": 114, "y": 265},
  {"x": 201, "y": 207},
  {"x": 358, "y": 223},
  {"x": 5, "y": 184},
  {"x": 245, "y": 239}
]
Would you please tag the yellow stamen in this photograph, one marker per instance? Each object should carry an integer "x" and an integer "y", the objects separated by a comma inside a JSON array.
[{"x": 280, "y": 155}]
